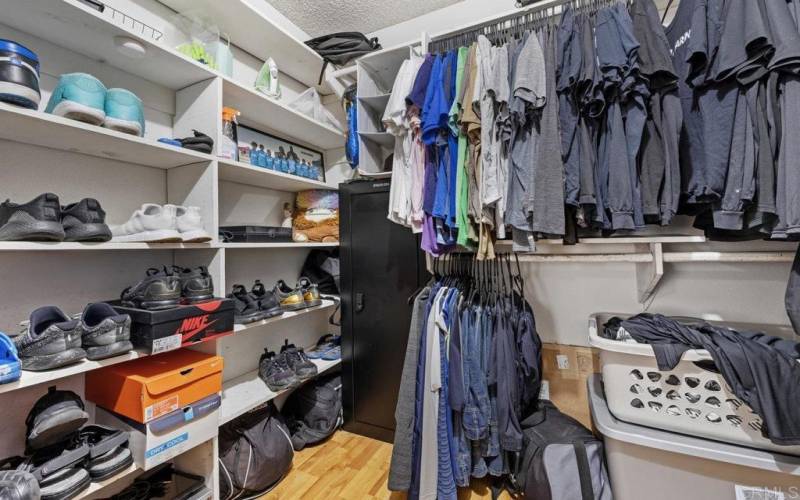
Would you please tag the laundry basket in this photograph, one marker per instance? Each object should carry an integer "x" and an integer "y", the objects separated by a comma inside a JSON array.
[{"x": 691, "y": 399}]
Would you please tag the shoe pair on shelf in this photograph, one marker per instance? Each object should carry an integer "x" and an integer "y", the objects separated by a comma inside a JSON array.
[
  {"x": 305, "y": 294},
  {"x": 328, "y": 348},
  {"x": 167, "y": 223},
  {"x": 82, "y": 97},
  {"x": 50, "y": 339},
  {"x": 255, "y": 305},
  {"x": 63, "y": 456},
  {"x": 44, "y": 219},
  {"x": 200, "y": 142},
  {"x": 169, "y": 287},
  {"x": 286, "y": 369}
]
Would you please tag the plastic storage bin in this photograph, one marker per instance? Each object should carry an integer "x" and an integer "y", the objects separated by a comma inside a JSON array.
[
  {"x": 691, "y": 399},
  {"x": 651, "y": 464}
]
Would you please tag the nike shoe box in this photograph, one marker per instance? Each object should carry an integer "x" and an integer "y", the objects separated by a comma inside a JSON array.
[
  {"x": 182, "y": 326},
  {"x": 146, "y": 389},
  {"x": 170, "y": 435}
]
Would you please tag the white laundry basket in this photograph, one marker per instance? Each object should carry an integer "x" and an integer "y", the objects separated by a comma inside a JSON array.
[{"x": 690, "y": 399}]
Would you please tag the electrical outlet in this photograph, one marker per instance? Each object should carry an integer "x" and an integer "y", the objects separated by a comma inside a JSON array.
[
  {"x": 544, "y": 392},
  {"x": 562, "y": 361}
]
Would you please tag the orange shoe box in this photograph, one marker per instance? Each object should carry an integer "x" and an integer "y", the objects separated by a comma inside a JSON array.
[{"x": 151, "y": 387}]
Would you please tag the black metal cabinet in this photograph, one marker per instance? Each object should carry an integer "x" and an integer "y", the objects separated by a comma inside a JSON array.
[{"x": 381, "y": 267}]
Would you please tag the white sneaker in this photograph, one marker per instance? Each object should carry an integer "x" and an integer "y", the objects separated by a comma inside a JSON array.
[
  {"x": 151, "y": 223},
  {"x": 189, "y": 223}
]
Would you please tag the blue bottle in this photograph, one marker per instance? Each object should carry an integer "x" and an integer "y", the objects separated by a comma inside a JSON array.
[
  {"x": 284, "y": 166},
  {"x": 269, "y": 160},
  {"x": 292, "y": 166}
]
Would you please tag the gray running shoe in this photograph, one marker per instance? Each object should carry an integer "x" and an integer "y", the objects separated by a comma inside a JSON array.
[
  {"x": 297, "y": 360},
  {"x": 104, "y": 332},
  {"x": 275, "y": 372},
  {"x": 50, "y": 340}
]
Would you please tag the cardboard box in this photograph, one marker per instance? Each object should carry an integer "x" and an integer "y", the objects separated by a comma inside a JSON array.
[
  {"x": 148, "y": 388},
  {"x": 151, "y": 447},
  {"x": 171, "y": 329}
]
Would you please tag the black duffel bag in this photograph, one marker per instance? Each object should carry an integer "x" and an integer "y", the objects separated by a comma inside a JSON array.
[{"x": 341, "y": 48}]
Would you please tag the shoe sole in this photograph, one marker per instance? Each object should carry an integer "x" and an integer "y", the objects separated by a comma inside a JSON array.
[
  {"x": 124, "y": 126},
  {"x": 314, "y": 303},
  {"x": 52, "y": 361},
  {"x": 108, "y": 351},
  {"x": 17, "y": 229},
  {"x": 199, "y": 298},
  {"x": 19, "y": 94},
  {"x": 73, "y": 491},
  {"x": 294, "y": 307},
  {"x": 246, "y": 320},
  {"x": 271, "y": 313},
  {"x": 156, "y": 236},
  {"x": 64, "y": 422},
  {"x": 79, "y": 112},
  {"x": 122, "y": 458},
  {"x": 87, "y": 232},
  {"x": 156, "y": 305},
  {"x": 279, "y": 388},
  {"x": 198, "y": 236}
]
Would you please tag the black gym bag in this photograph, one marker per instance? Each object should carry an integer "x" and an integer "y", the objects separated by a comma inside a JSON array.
[{"x": 341, "y": 48}]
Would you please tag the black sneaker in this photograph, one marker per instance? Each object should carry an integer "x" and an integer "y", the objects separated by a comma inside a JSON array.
[
  {"x": 302, "y": 367},
  {"x": 85, "y": 221},
  {"x": 108, "y": 451},
  {"x": 196, "y": 283},
  {"x": 158, "y": 290},
  {"x": 104, "y": 332},
  {"x": 267, "y": 301},
  {"x": 275, "y": 372},
  {"x": 50, "y": 340},
  {"x": 245, "y": 308},
  {"x": 37, "y": 220}
]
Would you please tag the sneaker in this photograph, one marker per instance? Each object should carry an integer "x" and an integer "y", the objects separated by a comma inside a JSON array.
[
  {"x": 19, "y": 76},
  {"x": 196, "y": 283},
  {"x": 296, "y": 359},
  {"x": 50, "y": 340},
  {"x": 108, "y": 451},
  {"x": 152, "y": 223},
  {"x": 275, "y": 372},
  {"x": 189, "y": 223},
  {"x": 53, "y": 418},
  {"x": 9, "y": 362},
  {"x": 37, "y": 220},
  {"x": 85, "y": 221},
  {"x": 18, "y": 485},
  {"x": 79, "y": 96},
  {"x": 200, "y": 142},
  {"x": 310, "y": 290},
  {"x": 104, "y": 332},
  {"x": 245, "y": 307},
  {"x": 324, "y": 344},
  {"x": 289, "y": 299},
  {"x": 334, "y": 354},
  {"x": 60, "y": 470},
  {"x": 124, "y": 112},
  {"x": 267, "y": 301},
  {"x": 158, "y": 290}
]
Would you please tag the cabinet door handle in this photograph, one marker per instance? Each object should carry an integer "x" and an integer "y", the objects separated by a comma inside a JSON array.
[{"x": 359, "y": 302}]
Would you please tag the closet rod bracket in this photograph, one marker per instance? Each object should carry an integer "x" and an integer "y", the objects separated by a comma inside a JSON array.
[{"x": 649, "y": 274}]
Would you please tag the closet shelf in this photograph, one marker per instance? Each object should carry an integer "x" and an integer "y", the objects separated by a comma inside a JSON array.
[
  {"x": 66, "y": 246},
  {"x": 278, "y": 245},
  {"x": 243, "y": 173},
  {"x": 270, "y": 115},
  {"x": 42, "y": 129},
  {"x": 258, "y": 35},
  {"x": 95, "y": 488},
  {"x": 326, "y": 305},
  {"x": 75, "y": 26},
  {"x": 376, "y": 103},
  {"x": 246, "y": 392},
  {"x": 29, "y": 379},
  {"x": 385, "y": 139}
]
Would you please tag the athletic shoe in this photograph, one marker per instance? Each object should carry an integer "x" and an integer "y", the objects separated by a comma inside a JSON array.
[
  {"x": 334, "y": 354},
  {"x": 289, "y": 299},
  {"x": 158, "y": 290},
  {"x": 124, "y": 112},
  {"x": 189, "y": 223},
  {"x": 79, "y": 96},
  {"x": 200, "y": 142},
  {"x": 152, "y": 223},
  {"x": 9, "y": 361},
  {"x": 53, "y": 418},
  {"x": 196, "y": 283},
  {"x": 267, "y": 301},
  {"x": 18, "y": 485},
  {"x": 108, "y": 451},
  {"x": 59, "y": 470},
  {"x": 324, "y": 344},
  {"x": 85, "y": 221},
  {"x": 37, "y": 220},
  {"x": 245, "y": 307},
  {"x": 275, "y": 372},
  {"x": 310, "y": 292},
  {"x": 50, "y": 340},
  {"x": 302, "y": 367},
  {"x": 104, "y": 332},
  {"x": 19, "y": 76}
]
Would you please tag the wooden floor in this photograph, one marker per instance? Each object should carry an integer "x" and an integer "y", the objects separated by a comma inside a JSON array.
[{"x": 347, "y": 467}]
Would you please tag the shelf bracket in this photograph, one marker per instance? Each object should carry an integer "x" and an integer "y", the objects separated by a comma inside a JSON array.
[{"x": 649, "y": 274}]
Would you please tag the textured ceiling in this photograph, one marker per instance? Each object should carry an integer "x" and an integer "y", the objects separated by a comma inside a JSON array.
[{"x": 320, "y": 17}]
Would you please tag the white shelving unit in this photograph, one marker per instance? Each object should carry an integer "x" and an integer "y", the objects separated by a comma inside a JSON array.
[{"x": 47, "y": 153}]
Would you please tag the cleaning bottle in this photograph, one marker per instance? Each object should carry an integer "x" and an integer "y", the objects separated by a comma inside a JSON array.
[{"x": 229, "y": 143}]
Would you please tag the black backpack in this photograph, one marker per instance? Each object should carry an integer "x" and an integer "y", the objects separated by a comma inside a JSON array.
[
  {"x": 560, "y": 459},
  {"x": 314, "y": 411},
  {"x": 255, "y": 453},
  {"x": 341, "y": 48}
]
